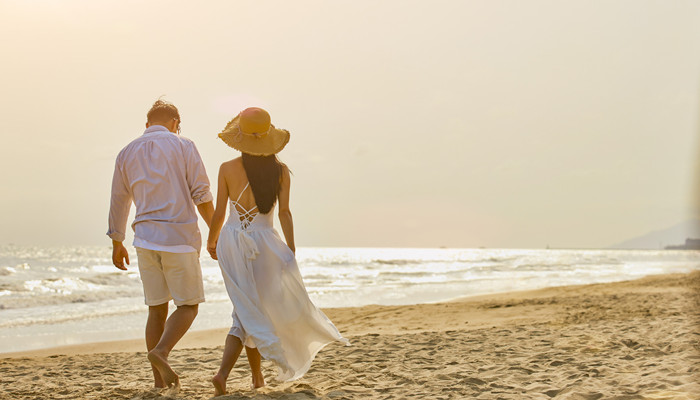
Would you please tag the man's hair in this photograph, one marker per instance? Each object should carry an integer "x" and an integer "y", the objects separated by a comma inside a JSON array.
[{"x": 162, "y": 111}]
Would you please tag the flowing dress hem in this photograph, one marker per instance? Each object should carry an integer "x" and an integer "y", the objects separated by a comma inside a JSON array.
[{"x": 303, "y": 370}]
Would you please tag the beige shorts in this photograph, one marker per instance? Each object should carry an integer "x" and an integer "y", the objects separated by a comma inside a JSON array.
[{"x": 166, "y": 276}]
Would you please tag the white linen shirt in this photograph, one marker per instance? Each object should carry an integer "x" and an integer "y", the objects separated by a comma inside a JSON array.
[{"x": 163, "y": 174}]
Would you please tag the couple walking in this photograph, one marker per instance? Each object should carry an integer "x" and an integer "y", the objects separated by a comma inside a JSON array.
[{"x": 162, "y": 173}]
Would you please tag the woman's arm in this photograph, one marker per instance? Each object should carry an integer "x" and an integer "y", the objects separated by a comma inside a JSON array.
[
  {"x": 285, "y": 214},
  {"x": 217, "y": 220}
]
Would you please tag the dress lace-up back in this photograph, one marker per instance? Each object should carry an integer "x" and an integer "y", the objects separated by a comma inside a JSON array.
[{"x": 244, "y": 215}]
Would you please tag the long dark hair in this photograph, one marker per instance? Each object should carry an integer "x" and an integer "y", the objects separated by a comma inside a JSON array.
[{"x": 264, "y": 174}]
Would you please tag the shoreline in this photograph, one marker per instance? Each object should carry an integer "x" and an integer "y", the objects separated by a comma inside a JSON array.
[
  {"x": 43, "y": 308},
  {"x": 204, "y": 338},
  {"x": 631, "y": 339}
]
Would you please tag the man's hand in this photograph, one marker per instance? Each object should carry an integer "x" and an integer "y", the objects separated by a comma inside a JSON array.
[
  {"x": 119, "y": 255},
  {"x": 211, "y": 248}
]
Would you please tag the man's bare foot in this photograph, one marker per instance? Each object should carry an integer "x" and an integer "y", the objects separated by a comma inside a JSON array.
[
  {"x": 258, "y": 381},
  {"x": 219, "y": 383},
  {"x": 170, "y": 378}
]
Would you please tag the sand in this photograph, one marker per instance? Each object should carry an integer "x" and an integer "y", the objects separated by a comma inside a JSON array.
[{"x": 627, "y": 340}]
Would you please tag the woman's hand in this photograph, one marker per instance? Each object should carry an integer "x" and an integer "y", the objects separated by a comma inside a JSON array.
[{"x": 211, "y": 248}]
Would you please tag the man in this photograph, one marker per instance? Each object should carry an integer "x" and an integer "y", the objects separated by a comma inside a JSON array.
[{"x": 163, "y": 174}]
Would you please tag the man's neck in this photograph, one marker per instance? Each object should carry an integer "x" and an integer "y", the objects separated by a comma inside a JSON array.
[{"x": 158, "y": 127}]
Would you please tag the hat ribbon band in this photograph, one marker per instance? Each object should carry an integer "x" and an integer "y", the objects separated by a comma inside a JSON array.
[{"x": 239, "y": 135}]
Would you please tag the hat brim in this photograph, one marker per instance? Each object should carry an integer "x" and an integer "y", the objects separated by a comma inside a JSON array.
[{"x": 270, "y": 143}]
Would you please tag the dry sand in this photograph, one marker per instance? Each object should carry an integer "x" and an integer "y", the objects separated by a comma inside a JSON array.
[{"x": 628, "y": 340}]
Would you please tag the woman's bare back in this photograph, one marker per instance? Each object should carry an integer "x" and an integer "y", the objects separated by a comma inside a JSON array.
[
  {"x": 236, "y": 181},
  {"x": 232, "y": 183}
]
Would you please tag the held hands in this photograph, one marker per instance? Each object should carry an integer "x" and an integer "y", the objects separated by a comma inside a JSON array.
[
  {"x": 119, "y": 255},
  {"x": 211, "y": 248}
]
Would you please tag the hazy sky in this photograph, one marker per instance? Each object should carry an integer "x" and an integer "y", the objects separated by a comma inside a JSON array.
[{"x": 413, "y": 123}]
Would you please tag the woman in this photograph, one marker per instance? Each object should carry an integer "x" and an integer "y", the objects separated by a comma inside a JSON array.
[{"x": 273, "y": 316}]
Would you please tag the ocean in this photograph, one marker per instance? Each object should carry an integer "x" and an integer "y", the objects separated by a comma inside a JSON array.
[{"x": 53, "y": 296}]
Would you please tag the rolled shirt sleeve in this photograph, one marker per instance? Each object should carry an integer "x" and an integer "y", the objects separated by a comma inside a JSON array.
[
  {"x": 119, "y": 205},
  {"x": 197, "y": 177}
]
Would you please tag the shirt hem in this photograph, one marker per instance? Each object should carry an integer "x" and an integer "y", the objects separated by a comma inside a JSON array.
[{"x": 180, "y": 248}]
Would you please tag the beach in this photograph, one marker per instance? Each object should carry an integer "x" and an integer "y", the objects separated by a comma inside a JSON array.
[{"x": 626, "y": 340}]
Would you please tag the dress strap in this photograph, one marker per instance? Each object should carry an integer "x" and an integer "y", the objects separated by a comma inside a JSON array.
[{"x": 241, "y": 194}]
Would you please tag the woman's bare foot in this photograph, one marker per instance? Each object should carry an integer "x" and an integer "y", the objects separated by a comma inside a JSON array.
[
  {"x": 158, "y": 381},
  {"x": 219, "y": 383},
  {"x": 170, "y": 378},
  {"x": 258, "y": 381}
]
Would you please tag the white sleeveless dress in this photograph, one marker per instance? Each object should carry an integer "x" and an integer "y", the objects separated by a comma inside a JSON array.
[{"x": 271, "y": 308}]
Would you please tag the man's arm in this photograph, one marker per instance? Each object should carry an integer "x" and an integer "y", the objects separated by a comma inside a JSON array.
[
  {"x": 198, "y": 183},
  {"x": 118, "y": 214},
  {"x": 206, "y": 210}
]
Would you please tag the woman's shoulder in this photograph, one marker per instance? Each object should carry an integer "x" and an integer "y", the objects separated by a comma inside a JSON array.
[
  {"x": 232, "y": 164},
  {"x": 232, "y": 169},
  {"x": 284, "y": 175}
]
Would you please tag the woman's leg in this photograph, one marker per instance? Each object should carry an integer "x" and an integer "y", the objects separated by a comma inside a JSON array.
[
  {"x": 254, "y": 361},
  {"x": 231, "y": 352}
]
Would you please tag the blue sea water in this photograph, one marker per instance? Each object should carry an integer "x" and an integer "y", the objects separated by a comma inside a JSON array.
[{"x": 52, "y": 296}]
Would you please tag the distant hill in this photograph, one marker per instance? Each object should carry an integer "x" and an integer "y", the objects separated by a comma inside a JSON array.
[{"x": 675, "y": 235}]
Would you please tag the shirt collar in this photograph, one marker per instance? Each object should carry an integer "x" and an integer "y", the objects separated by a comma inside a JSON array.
[{"x": 156, "y": 128}]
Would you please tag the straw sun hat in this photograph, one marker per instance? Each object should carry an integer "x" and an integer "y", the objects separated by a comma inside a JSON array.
[{"x": 251, "y": 132}]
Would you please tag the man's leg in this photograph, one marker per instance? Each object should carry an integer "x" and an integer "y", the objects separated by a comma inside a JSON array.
[
  {"x": 154, "y": 330},
  {"x": 155, "y": 290},
  {"x": 175, "y": 327},
  {"x": 183, "y": 276}
]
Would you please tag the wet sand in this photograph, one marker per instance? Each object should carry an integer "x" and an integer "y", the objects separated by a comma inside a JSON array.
[{"x": 627, "y": 340}]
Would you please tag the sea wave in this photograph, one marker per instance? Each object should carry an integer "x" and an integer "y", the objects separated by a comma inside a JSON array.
[
  {"x": 73, "y": 277},
  {"x": 58, "y": 313}
]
